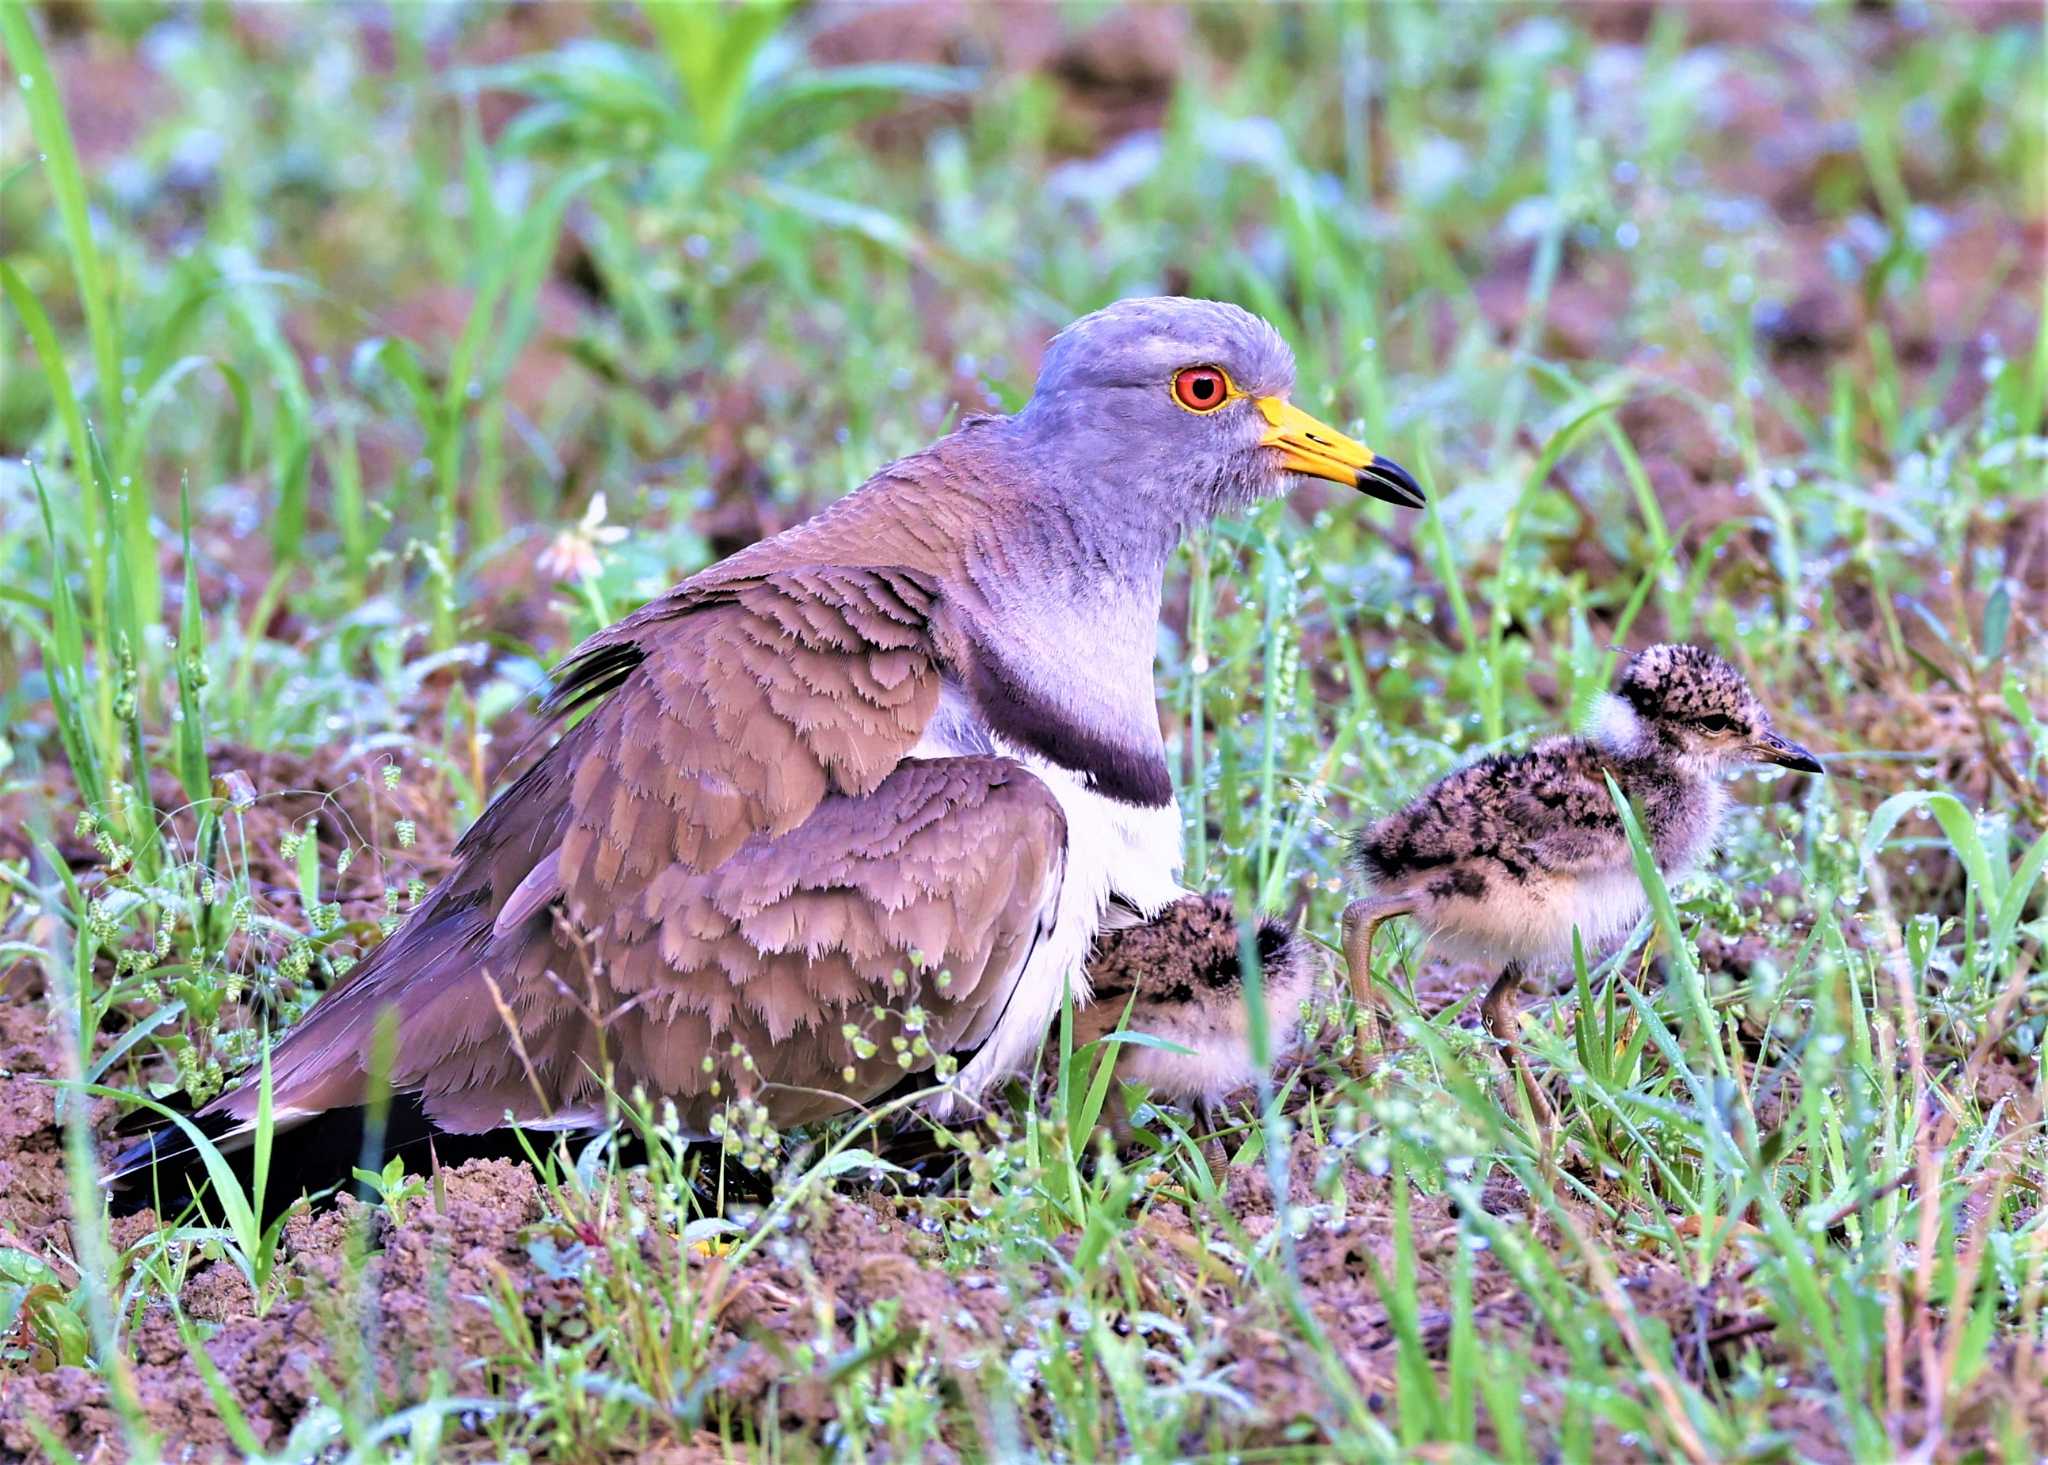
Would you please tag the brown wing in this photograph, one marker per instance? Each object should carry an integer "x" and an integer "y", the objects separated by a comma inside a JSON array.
[
  {"x": 1564, "y": 813},
  {"x": 722, "y": 724},
  {"x": 740, "y": 717},
  {"x": 921, "y": 899}
]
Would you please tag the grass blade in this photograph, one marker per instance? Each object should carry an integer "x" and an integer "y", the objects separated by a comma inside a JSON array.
[{"x": 52, "y": 131}]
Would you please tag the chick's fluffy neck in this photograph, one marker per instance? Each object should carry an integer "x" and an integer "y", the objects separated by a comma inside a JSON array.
[
  {"x": 1633, "y": 741},
  {"x": 1676, "y": 788}
]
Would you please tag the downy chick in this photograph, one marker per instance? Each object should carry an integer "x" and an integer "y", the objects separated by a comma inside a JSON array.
[
  {"x": 1501, "y": 860},
  {"x": 1184, "y": 967}
]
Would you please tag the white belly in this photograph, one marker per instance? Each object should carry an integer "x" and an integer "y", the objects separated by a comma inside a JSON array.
[
  {"x": 1533, "y": 923},
  {"x": 1113, "y": 849}
]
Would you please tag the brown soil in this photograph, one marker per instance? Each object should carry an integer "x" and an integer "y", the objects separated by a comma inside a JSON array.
[
  {"x": 846, "y": 1255},
  {"x": 428, "y": 1276},
  {"x": 34, "y": 1209}
]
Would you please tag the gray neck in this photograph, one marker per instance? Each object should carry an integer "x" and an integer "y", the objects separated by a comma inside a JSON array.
[
  {"x": 1085, "y": 649},
  {"x": 1098, "y": 502},
  {"x": 1070, "y": 581},
  {"x": 1061, "y": 613},
  {"x": 1064, "y": 670}
]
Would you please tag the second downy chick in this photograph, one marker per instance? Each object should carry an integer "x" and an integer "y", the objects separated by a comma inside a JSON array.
[
  {"x": 1184, "y": 968},
  {"x": 1502, "y": 860}
]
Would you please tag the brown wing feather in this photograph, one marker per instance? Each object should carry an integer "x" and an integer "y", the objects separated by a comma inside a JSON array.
[
  {"x": 741, "y": 741},
  {"x": 950, "y": 866}
]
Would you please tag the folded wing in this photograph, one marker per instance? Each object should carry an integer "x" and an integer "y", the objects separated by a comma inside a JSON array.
[{"x": 727, "y": 858}]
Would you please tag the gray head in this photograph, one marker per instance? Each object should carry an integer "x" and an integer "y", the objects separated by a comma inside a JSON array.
[
  {"x": 1178, "y": 410},
  {"x": 1689, "y": 703}
]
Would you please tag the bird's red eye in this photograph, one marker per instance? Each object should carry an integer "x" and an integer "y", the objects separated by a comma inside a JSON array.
[{"x": 1201, "y": 388}]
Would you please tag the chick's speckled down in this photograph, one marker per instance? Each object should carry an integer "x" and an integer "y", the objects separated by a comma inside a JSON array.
[
  {"x": 1522, "y": 816},
  {"x": 1676, "y": 686},
  {"x": 1184, "y": 966},
  {"x": 1503, "y": 859},
  {"x": 1189, "y": 948}
]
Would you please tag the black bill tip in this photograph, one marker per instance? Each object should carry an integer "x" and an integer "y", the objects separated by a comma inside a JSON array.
[
  {"x": 1788, "y": 754},
  {"x": 1387, "y": 480}
]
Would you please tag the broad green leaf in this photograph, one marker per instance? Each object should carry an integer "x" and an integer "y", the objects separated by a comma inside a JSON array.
[
  {"x": 43, "y": 337},
  {"x": 2005, "y": 919},
  {"x": 713, "y": 49},
  {"x": 1956, "y": 822},
  {"x": 1997, "y": 620},
  {"x": 1146, "y": 1040},
  {"x": 809, "y": 104}
]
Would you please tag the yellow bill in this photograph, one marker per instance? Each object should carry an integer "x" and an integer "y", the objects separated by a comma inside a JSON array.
[{"x": 1318, "y": 450}]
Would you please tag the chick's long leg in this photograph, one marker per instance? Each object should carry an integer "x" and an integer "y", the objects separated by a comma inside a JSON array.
[
  {"x": 1362, "y": 921},
  {"x": 1503, "y": 1022}
]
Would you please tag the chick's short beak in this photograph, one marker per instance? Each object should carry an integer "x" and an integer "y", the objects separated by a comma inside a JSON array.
[
  {"x": 1770, "y": 748},
  {"x": 1308, "y": 446}
]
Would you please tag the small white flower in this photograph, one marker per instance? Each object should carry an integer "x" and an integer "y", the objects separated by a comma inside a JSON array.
[{"x": 573, "y": 553}]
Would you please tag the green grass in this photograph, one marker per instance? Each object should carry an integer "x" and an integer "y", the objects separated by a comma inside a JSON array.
[{"x": 301, "y": 377}]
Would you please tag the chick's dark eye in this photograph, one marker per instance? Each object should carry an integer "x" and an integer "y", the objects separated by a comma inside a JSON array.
[
  {"x": 1200, "y": 388},
  {"x": 1714, "y": 722}
]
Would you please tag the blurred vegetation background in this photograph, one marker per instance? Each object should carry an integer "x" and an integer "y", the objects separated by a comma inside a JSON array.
[
  {"x": 356, "y": 360},
  {"x": 399, "y": 291}
]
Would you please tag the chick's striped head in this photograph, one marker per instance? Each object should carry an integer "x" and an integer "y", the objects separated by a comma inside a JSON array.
[{"x": 1689, "y": 702}]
